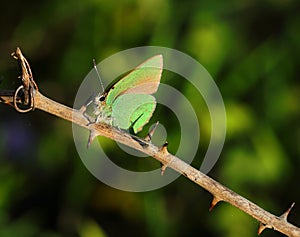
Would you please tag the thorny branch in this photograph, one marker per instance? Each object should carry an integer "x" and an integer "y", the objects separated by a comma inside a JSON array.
[{"x": 27, "y": 94}]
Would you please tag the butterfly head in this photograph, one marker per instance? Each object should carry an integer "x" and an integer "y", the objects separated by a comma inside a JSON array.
[{"x": 100, "y": 100}]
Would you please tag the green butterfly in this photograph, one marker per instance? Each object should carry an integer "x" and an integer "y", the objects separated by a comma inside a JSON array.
[{"x": 128, "y": 103}]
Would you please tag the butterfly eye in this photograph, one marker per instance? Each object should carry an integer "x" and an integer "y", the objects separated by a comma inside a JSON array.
[{"x": 101, "y": 98}]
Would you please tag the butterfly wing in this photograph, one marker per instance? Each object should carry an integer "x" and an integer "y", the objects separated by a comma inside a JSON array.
[
  {"x": 133, "y": 110},
  {"x": 144, "y": 79}
]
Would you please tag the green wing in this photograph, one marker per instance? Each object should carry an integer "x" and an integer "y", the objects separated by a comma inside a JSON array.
[
  {"x": 144, "y": 79},
  {"x": 133, "y": 110}
]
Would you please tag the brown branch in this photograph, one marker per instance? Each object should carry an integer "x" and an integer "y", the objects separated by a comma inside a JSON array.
[{"x": 219, "y": 192}]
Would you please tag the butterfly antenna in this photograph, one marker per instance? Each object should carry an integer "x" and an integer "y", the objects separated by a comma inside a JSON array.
[{"x": 101, "y": 82}]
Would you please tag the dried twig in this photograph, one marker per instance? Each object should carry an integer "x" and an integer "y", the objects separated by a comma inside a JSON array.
[
  {"x": 219, "y": 192},
  {"x": 28, "y": 84}
]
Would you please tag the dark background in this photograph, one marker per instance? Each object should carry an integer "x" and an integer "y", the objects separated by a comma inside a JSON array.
[{"x": 251, "y": 49}]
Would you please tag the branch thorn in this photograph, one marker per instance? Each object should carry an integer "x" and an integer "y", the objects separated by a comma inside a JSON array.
[
  {"x": 262, "y": 227},
  {"x": 92, "y": 136},
  {"x": 164, "y": 148},
  {"x": 151, "y": 132},
  {"x": 284, "y": 216},
  {"x": 163, "y": 169},
  {"x": 214, "y": 202}
]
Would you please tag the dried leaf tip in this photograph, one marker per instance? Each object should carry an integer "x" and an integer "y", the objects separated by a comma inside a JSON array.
[
  {"x": 16, "y": 53},
  {"x": 214, "y": 202},
  {"x": 284, "y": 216},
  {"x": 151, "y": 132}
]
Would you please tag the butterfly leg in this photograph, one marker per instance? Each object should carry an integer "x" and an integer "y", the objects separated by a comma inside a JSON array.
[
  {"x": 84, "y": 108},
  {"x": 93, "y": 134}
]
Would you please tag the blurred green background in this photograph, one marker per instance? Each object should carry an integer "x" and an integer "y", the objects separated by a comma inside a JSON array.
[{"x": 252, "y": 50}]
